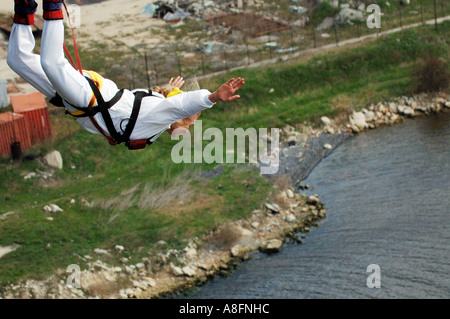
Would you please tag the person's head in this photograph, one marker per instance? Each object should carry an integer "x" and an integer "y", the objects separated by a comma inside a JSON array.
[{"x": 165, "y": 90}]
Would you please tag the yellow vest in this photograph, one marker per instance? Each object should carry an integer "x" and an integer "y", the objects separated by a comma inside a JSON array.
[
  {"x": 175, "y": 91},
  {"x": 98, "y": 79}
]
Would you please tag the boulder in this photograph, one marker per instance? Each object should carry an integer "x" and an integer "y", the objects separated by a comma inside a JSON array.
[
  {"x": 289, "y": 193},
  {"x": 274, "y": 208},
  {"x": 54, "y": 159},
  {"x": 369, "y": 115},
  {"x": 325, "y": 120},
  {"x": 189, "y": 271},
  {"x": 393, "y": 107},
  {"x": 52, "y": 209},
  {"x": 272, "y": 246},
  {"x": 359, "y": 120},
  {"x": 177, "y": 271},
  {"x": 290, "y": 218},
  {"x": 313, "y": 200}
]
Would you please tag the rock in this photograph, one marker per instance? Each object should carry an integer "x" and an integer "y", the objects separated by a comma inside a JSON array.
[
  {"x": 290, "y": 218},
  {"x": 30, "y": 175},
  {"x": 369, "y": 115},
  {"x": 140, "y": 265},
  {"x": 119, "y": 248},
  {"x": 255, "y": 225},
  {"x": 325, "y": 120},
  {"x": 161, "y": 243},
  {"x": 52, "y": 209},
  {"x": 5, "y": 215},
  {"x": 150, "y": 281},
  {"x": 273, "y": 246},
  {"x": 359, "y": 120},
  {"x": 129, "y": 292},
  {"x": 72, "y": 201},
  {"x": 393, "y": 107},
  {"x": 191, "y": 253},
  {"x": 313, "y": 200},
  {"x": 188, "y": 271},
  {"x": 440, "y": 100},
  {"x": 236, "y": 251},
  {"x": 327, "y": 23},
  {"x": 7, "y": 249},
  {"x": 330, "y": 130},
  {"x": 289, "y": 193},
  {"x": 243, "y": 232},
  {"x": 129, "y": 270},
  {"x": 140, "y": 285},
  {"x": 382, "y": 109},
  {"x": 328, "y": 146},
  {"x": 274, "y": 208},
  {"x": 54, "y": 159},
  {"x": 49, "y": 219},
  {"x": 347, "y": 15},
  {"x": 408, "y": 111},
  {"x": 117, "y": 269},
  {"x": 177, "y": 271},
  {"x": 99, "y": 251}
]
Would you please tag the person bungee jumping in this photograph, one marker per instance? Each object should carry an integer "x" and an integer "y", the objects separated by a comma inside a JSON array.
[{"x": 136, "y": 118}]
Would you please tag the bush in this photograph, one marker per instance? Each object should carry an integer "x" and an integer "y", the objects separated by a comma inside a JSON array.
[
  {"x": 324, "y": 10},
  {"x": 432, "y": 75}
]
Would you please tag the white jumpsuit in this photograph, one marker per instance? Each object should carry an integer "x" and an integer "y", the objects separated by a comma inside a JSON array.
[{"x": 51, "y": 73}]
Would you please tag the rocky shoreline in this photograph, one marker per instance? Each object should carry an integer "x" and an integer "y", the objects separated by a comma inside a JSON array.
[{"x": 284, "y": 217}]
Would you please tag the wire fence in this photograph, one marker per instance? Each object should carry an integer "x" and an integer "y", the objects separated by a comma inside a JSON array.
[{"x": 155, "y": 70}]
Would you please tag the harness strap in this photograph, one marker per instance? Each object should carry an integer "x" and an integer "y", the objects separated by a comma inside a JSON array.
[
  {"x": 113, "y": 137},
  {"x": 134, "y": 115}
]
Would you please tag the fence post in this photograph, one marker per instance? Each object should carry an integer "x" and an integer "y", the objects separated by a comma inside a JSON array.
[
  {"x": 435, "y": 15},
  {"x": 156, "y": 75},
  {"x": 179, "y": 65},
  {"x": 248, "y": 54},
  {"x": 226, "y": 61},
  {"x": 292, "y": 39},
  {"x": 147, "y": 71},
  {"x": 314, "y": 37},
  {"x": 336, "y": 35},
  {"x": 400, "y": 14},
  {"x": 203, "y": 63}
]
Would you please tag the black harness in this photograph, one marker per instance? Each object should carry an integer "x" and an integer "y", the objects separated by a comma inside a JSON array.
[{"x": 103, "y": 107}]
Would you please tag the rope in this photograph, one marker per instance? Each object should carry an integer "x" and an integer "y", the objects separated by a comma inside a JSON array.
[{"x": 77, "y": 55}]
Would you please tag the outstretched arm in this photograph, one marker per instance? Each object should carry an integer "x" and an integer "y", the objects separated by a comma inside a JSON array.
[
  {"x": 223, "y": 93},
  {"x": 226, "y": 92}
]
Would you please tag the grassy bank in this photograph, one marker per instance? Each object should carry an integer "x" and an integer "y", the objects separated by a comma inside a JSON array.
[{"x": 137, "y": 198}]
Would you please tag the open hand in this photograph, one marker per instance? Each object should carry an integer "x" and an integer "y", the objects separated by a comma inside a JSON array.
[
  {"x": 177, "y": 82},
  {"x": 226, "y": 92}
]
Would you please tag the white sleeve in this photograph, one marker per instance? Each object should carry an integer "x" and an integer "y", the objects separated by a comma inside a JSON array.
[
  {"x": 190, "y": 103},
  {"x": 175, "y": 108}
]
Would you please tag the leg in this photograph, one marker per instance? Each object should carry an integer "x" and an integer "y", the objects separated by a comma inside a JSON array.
[
  {"x": 21, "y": 58},
  {"x": 68, "y": 82}
]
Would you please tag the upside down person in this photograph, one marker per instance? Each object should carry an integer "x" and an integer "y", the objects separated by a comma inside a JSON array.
[{"x": 98, "y": 105}]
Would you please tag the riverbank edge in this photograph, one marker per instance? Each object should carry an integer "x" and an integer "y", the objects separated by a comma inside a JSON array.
[{"x": 284, "y": 215}]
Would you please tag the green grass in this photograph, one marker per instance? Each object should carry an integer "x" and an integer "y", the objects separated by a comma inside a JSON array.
[{"x": 304, "y": 90}]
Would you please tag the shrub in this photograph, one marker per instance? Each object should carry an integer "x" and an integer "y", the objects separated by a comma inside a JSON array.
[{"x": 432, "y": 75}]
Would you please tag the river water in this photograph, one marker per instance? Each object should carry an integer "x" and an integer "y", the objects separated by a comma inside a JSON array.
[{"x": 387, "y": 194}]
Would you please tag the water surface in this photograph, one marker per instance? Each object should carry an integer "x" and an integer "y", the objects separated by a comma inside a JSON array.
[{"x": 387, "y": 197}]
